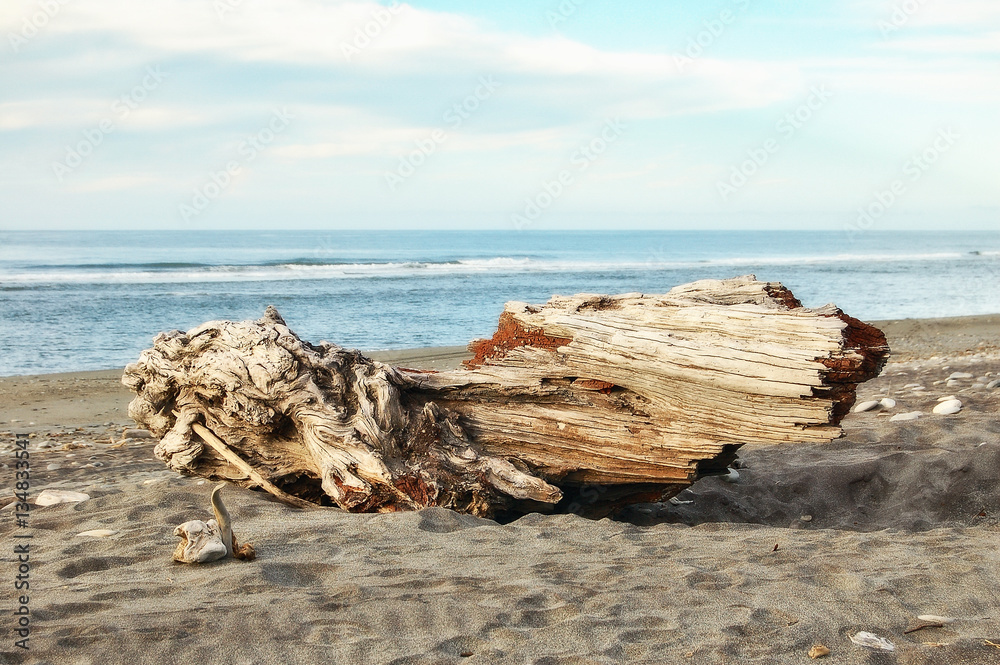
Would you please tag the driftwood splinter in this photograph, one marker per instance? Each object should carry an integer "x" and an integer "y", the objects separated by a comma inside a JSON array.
[{"x": 584, "y": 404}]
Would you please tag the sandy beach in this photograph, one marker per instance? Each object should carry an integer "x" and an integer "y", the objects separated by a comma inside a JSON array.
[{"x": 812, "y": 544}]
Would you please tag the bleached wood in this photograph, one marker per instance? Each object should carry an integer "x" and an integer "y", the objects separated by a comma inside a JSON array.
[{"x": 639, "y": 394}]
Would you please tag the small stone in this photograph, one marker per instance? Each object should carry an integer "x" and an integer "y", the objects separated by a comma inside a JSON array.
[
  {"x": 98, "y": 533},
  {"x": 993, "y": 384},
  {"x": 887, "y": 403},
  {"x": 52, "y": 497},
  {"x": 866, "y": 406},
  {"x": 872, "y": 641},
  {"x": 806, "y": 518},
  {"x": 948, "y": 407},
  {"x": 53, "y": 467},
  {"x": 138, "y": 434},
  {"x": 818, "y": 651},
  {"x": 933, "y": 618},
  {"x": 731, "y": 477},
  {"x": 960, "y": 375},
  {"x": 912, "y": 415},
  {"x": 946, "y": 398}
]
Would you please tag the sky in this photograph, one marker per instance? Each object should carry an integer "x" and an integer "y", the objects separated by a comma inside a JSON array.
[{"x": 554, "y": 114}]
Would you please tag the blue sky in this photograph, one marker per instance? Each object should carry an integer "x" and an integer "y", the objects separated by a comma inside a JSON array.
[{"x": 552, "y": 114}]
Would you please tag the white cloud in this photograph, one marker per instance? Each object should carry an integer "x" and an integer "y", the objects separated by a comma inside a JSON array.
[{"x": 113, "y": 183}]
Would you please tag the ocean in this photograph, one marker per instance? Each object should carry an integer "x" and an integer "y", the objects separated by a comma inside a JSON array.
[{"x": 74, "y": 301}]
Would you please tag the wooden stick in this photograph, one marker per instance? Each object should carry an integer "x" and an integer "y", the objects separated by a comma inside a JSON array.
[
  {"x": 922, "y": 626},
  {"x": 220, "y": 447}
]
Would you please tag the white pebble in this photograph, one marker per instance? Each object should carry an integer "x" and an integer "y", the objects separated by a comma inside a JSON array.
[
  {"x": 946, "y": 398},
  {"x": 872, "y": 641},
  {"x": 993, "y": 384},
  {"x": 960, "y": 375},
  {"x": 912, "y": 415},
  {"x": 948, "y": 408},
  {"x": 935, "y": 618},
  {"x": 52, "y": 497},
  {"x": 887, "y": 403},
  {"x": 912, "y": 385},
  {"x": 866, "y": 406},
  {"x": 98, "y": 533}
]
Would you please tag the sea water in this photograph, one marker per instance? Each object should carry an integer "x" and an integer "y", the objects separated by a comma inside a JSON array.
[{"x": 92, "y": 300}]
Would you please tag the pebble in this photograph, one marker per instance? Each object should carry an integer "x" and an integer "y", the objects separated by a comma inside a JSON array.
[
  {"x": 948, "y": 407},
  {"x": 946, "y": 398},
  {"x": 53, "y": 467},
  {"x": 731, "y": 477},
  {"x": 866, "y": 406},
  {"x": 52, "y": 497},
  {"x": 993, "y": 384},
  {"x": 872, "y": 641},
  {"x": 951, "y": 383},
  {"x": 806, "y": 518},
  {"x": 960, "y": 375},
  {"x": 138, "y": 434},
  {"x": 912, "y": 415},
  {"x": 887, "y": 403},
  {"x": 98, "y": 533},
  {"x": 933, "y": 618}
]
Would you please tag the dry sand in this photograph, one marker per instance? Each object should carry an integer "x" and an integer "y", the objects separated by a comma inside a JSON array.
[{"x": 811, "y": 545}]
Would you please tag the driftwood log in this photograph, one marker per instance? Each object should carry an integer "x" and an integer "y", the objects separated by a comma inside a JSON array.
[{"x": 584, "y": 404}]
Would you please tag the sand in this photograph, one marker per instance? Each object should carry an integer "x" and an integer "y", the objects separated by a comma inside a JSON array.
[{"x": 811, "y": 545}]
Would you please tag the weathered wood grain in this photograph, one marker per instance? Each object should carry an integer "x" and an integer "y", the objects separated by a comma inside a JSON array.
[{"x": 586, "y": 403}]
